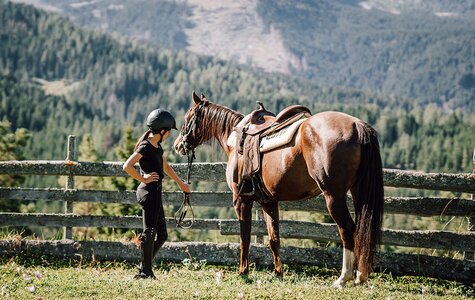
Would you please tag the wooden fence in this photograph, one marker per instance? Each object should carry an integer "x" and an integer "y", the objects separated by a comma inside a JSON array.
[{"x": 408, "y": 264}]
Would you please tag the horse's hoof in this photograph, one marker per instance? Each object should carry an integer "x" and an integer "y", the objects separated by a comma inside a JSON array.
[
  {"x": 360, "y": 278},
  {"x": 342, "y": 281},
  {"x": 279, "y": 275},
  {"x": 340, "y": 285}
]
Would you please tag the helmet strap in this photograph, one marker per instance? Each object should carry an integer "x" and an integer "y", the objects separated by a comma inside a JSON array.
[
  {"x": 161, "y": 135},
  {"x": 161, "y": 138}
]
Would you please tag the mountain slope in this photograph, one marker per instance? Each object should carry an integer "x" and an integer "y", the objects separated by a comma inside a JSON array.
[
  {"x": 412, "y": 54},
  {"x": 420, "y": 49},
  {"x": 103, "y": 83},
  {"x": 57, "y": 79}
]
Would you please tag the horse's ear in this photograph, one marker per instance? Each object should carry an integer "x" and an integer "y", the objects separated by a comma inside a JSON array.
[
  {"x": 204, "y": 100},
  {"x": 195, "y": 98}
]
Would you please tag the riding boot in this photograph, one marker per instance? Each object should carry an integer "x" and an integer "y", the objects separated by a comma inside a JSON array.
[
  {"x": 156, "y": 246},
  {"x": 146, "y": 243}
]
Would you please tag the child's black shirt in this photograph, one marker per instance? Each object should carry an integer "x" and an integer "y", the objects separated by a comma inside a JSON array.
[{"x": 152, "y": 160}]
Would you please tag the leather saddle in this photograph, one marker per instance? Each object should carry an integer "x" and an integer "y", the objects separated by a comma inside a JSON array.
[{"x": 262, "y": 119}]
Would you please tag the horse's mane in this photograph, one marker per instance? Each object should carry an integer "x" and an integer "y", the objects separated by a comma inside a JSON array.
[{"x": 218, "y": 121}]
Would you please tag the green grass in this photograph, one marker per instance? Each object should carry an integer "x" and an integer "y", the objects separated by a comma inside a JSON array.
[{"x": 197, "y": 280}]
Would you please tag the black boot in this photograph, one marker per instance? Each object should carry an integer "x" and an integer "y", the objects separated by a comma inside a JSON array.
[
  {"x": 146, "y": 244},
  {"x": 156, "y": 246}
]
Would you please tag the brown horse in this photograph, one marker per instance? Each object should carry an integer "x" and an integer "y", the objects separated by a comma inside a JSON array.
[{"x": 331, "y": 153}]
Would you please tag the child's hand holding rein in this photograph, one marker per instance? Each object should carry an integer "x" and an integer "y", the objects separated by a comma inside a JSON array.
[{"x": 185, "y": 188}]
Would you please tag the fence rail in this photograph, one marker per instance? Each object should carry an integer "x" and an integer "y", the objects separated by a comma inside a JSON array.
[
  {"x": 228, "y": 254},
  {"x": 216, "y": 172},
  {"x": 420, "y": 206},
  {"x": 289, "y": 229}
]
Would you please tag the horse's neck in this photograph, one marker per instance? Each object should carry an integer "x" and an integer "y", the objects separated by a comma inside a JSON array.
[
  {"x": 222, "y": 136},
  {"x": 222, "y": 141}
]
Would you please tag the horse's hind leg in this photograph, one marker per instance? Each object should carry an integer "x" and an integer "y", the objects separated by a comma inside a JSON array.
[
  {"x": 360, "y": 276},
  {"x": 336, "y": 204},
  {"x": 271, "y": 214}
]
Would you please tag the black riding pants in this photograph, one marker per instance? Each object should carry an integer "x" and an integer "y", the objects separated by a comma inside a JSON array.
[{"x": 149, "y": 196}]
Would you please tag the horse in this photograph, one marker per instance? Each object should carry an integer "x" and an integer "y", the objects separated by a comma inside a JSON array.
[{"x": 331, "y": 153}]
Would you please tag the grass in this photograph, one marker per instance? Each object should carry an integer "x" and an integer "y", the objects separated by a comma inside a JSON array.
[{"x": 42, "y": 278}]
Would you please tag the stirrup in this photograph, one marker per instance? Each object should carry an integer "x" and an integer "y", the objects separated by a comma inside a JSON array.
[{"x": 247, "y": 187}]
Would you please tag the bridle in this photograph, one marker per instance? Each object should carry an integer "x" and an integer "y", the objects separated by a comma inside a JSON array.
[
  {"x": 192, "y": 125},
  {"x": 190, "y": 152}
]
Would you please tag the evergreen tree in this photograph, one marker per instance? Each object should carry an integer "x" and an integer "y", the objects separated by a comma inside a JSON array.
[
  {"x": 12, "y": 147},
  {"x": 123, "y": 151}
]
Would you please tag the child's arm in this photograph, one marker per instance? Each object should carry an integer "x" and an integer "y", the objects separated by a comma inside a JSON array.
[
  {"x": 129, "y": 168},
  {"x": 171, "y": 173}
]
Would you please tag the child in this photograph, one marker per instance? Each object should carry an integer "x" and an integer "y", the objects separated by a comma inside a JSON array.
[{"x": 149, "y": 154}]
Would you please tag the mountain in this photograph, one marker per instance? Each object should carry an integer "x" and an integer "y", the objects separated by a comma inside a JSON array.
[
  {"x": 440, "y": 8},
  {"x": 407, "y": 51},
  {"x": 419, "y": 49},
  {"x": 57, "y": 79}
]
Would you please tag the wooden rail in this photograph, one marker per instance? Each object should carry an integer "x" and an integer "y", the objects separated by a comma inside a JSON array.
[
  {"x": 289, "y": 229},
  {"x": 216, "y": 172},
  {"x": 421, "y": 206},
  {"x": 228, "y": 254}
]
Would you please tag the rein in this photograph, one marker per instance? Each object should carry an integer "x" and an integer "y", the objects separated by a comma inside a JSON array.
[{"x": 181, "y": 212}]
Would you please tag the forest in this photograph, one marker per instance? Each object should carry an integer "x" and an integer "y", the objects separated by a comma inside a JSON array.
[
  {"x": 108, "y": 84},
  {"x": 57, "y": 79},
  {"x": 413, "y": 54},
  {"x": 413, "y": 50}
]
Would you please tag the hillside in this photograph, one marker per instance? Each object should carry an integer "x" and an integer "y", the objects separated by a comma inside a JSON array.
[
  {"x": 57, "y": 79},
  {"x": 409, "y": 52},
  {"x": 417, "y": 49},
  {"x": 101, "y": 83}
]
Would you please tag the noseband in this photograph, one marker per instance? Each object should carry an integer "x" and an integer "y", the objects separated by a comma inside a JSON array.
[{"x": 192, "y": 126}]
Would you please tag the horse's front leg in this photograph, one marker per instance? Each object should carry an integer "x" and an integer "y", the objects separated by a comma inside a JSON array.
[
  {"x": 243, "y": 208},
  {"x": 271, "y": 214}
]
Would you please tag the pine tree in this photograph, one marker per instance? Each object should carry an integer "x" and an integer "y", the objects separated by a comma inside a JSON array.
[
  {"x": 12, "y": 147},
  {"x": 123, "y": 152}
]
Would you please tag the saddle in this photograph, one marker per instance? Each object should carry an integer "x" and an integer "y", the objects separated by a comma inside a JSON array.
[
  {"x": 262, "y": 119},
  {"x": 250, "y": 131}
]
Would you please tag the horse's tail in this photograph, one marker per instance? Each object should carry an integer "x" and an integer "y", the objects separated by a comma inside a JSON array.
[{"x": 369, "y": 199}]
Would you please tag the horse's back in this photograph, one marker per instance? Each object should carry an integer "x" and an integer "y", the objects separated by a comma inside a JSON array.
[{"x": 334, "y": 126}]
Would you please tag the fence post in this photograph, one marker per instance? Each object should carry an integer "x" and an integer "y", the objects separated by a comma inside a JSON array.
[
  {"x": 471, "y": 220},
  {"x": 259, "y": 216},
  {"x": 68, "y": 205}
]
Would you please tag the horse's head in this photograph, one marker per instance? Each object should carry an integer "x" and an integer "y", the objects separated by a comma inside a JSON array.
[{"x": 192, "y": 133}]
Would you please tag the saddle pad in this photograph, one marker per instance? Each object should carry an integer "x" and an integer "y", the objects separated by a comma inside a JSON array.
[
  {"x": 279, "y": 138},
  {"x": 232, "y": 139}
]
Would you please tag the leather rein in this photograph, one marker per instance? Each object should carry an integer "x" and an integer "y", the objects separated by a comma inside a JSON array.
[
  {"x": 181, "y": 212},
  {"x": 190, "y": 152}
]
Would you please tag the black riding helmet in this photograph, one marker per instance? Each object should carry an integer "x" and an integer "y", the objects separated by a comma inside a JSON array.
[{"x": 160, "y": 119}]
